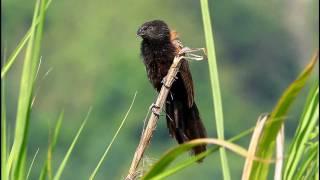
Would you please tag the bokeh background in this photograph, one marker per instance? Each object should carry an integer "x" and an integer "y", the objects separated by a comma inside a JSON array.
[{"x": 92, "y": 53}]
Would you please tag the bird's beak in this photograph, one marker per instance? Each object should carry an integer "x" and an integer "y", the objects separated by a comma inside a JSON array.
[{"x": 140, "y": 32}]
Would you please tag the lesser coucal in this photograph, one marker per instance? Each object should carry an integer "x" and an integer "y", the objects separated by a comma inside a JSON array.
[{"x": 158, "y": 49}]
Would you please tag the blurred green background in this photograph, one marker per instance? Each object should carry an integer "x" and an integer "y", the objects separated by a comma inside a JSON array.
[{"x": 92, "y": 53}]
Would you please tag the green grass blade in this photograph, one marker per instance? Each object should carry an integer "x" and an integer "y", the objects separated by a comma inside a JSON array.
[
  {"x": 47, "y": 168},
  {"x": 114, "y": 137},
  {"x": 22, "y": 125},
  {"x": 267, "y": 140},
  {"x": 31, "y": 165},
  {"x": 15, "y": 53},
  {"x": 158, "y": 168},
  {"x": 4, "y": 174},
  {"x": 20, "y": 173},
  {"x": 19, "y": 47},
  {"x": 67, "y": 156},
  {"x": 307, "y": 162},
  {"x": 57, "y": 130},
  {"x": 317, "y": 174},
  {"x": 185, "y": 164},
  {"x": 24, "y": 98},
  {"x": 214, "y": 83},
  {"x": 187, "y": 146},
  {"x": 308, "y": 122}
]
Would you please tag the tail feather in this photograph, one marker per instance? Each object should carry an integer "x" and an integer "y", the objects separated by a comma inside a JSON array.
[
  {"x": 185, "y": 124},
  {"x": 195, "y": 128}
]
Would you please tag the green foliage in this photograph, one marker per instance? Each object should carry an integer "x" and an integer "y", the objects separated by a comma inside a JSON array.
[
  {"x": 17, "y": 157},
  {"x": 277, "y": 118},
  {"x": 299, "y": 147},
  {"x": 20, "y": 46},
  {"x": 158, "y": 168},
  {"x": 309, "y": 169},
  {"x": 186, "y": 147},
  {"x": 15, "y": 166}
]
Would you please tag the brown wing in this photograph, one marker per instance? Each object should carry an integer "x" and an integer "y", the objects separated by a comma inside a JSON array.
[
  {"x": 184, "y": 69},
  {"x": 187, "y": 81}
]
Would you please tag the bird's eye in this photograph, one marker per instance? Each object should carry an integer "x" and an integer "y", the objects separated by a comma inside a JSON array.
[{"x": 151, "y": 28}]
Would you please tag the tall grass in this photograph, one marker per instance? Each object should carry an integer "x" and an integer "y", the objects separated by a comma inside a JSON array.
[
  {"x": 307, "y": 124},
  {"x": 4, "y": 174},
  {"x": 14, "y": 166},
  {"x": 277, "y": 118},
  {"x": 12, "y": 58},
  {"x": 17, "y": 156},
  {"x": 215, "y": 87}
]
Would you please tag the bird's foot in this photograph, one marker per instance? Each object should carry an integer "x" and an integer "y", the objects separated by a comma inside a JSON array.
[
  {"x": 153, "y": 108},
  {"x": 164, "y": 80},
  {"x": 189, "y": 53}
]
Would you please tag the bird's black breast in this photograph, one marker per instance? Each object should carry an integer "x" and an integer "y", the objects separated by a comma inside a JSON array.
[{"x": 157, "y": 58}]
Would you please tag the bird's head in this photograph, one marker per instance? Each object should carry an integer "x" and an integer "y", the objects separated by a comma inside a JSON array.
[{"x": 155, "y": 30}]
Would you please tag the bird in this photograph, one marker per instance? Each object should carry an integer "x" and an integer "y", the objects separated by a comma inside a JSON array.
[{"x": 158, "y": 48}]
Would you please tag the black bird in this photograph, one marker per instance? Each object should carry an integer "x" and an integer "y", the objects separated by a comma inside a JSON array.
[{"x": 158, "y": 49}]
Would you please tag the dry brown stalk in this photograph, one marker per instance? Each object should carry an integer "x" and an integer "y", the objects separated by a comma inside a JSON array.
[{"x": 152, "y": 123}]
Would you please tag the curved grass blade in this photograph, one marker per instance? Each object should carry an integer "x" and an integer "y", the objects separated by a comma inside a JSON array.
[
  {"x": 114, "y": 137},
  {"x": 66, "y": 157},
  {"x": 268, "y": 137},
  {"x": 215, "y": 87},
  {"x": 187, "y": 146},
  {"x": 165, "y": 161}
]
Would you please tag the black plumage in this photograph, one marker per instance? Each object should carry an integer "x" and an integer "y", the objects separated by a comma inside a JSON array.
[{"x": 158, "y": 49}]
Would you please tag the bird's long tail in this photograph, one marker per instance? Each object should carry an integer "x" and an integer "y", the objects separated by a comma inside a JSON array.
[{"x": 185, "y": 124}]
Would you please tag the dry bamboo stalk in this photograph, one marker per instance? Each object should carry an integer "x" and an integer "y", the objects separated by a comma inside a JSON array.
[{"x": 152, "y": 123}]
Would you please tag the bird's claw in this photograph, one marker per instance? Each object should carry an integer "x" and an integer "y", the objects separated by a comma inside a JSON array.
[
  {"x": 189, "y": 53},
  {"x": 163, "y": 81},
  {"x": 184, "y": 50},
  {"x": 153, "y": 107}
]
